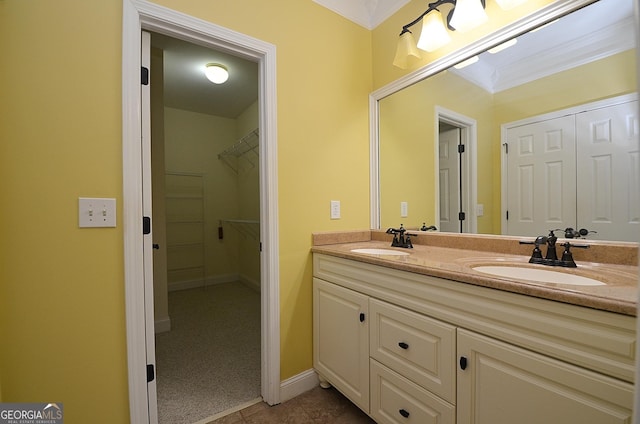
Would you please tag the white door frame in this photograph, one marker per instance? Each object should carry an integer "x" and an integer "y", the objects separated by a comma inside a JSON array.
[
  {"x": 139, "y": 15},
  {"x": 469, "y": 137}
]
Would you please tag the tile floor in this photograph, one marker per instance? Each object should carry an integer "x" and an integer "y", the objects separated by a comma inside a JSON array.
[{"x": 317, "y": 406}]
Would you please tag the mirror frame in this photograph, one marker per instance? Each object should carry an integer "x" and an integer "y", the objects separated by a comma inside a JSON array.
[{"x": 519, "y": 27}]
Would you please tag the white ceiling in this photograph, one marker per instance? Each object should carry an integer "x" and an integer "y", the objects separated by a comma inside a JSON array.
[
  {"x": 186, "y": 87},
  {"x": 368, "y": 13},
  {"x": 570, "y": 43}
]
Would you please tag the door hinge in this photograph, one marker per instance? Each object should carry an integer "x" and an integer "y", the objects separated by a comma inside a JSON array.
[
  {"x": 460, "y": 148},
  {"x": 144, "y": 76},
  {"x": 146, "y": 225},
  {"x": 461, "y": 216},
  {"x": 151, "y": 374},
  {"x": 507, "y": 215}
]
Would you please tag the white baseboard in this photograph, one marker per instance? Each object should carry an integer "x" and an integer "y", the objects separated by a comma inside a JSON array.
[
  {"x": 298, "y": 384},
  {"x": 209, "y": 281},
  {"x": 162, "y": 325}
]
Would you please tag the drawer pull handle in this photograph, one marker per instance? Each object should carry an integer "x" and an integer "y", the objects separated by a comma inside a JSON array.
[
  {"x": 403, "y": 345},
  {"x": 463, "y": 363},
  {"x": 404, "y": 413}
]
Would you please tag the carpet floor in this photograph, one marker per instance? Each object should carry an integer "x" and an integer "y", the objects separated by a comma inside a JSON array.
[{"x": 210, "y": 360}]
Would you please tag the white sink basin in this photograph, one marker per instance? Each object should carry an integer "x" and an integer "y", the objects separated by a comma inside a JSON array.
[
  {"x": 538, "y": 275},
  {"x": 389, "y": 252}
]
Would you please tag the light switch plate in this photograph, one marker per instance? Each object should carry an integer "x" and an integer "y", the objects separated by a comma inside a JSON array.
[
  {"x": 480, "y": 209},
  {"x": 96, "y": 212},
  {"x": 335, "y": 209},
  {"x": 404, "y": 209}
]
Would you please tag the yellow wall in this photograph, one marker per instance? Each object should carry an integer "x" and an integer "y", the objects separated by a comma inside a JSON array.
[
  {"x": 192, "y": 143},
  {"x": 62, "y": 312}
]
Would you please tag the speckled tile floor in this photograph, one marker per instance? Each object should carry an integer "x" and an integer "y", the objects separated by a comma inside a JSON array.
[{"x": 317, "y": 406}]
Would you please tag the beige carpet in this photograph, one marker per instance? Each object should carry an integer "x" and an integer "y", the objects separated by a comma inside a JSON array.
[{"x": 210, "y": 360}]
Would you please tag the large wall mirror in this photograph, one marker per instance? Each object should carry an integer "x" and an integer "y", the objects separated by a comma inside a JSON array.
[{"x": 531, "y": 119}]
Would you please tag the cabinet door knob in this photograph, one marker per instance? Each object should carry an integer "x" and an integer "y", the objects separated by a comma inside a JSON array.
[
  {"x": 361, "y": 316},
  {"x": 463, "y": 362},
  {"x": 403, "y": 345},
  {"x": 404, "y": 413}
]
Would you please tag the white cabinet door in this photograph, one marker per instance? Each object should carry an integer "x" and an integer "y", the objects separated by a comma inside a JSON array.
[
  {"x": 503, "y": 384},
  {"x": 341, "y": 340},
  {"x": 541, "y": 177},
  {"x": 608, "y": 192}
]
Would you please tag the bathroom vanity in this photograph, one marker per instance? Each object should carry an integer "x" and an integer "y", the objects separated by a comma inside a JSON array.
[{"x": 423, "y": 337}]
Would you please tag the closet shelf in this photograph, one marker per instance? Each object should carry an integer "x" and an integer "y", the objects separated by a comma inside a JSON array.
[
  {"x": 244, "y": 150},
  {"x": 246, "y": 227}
]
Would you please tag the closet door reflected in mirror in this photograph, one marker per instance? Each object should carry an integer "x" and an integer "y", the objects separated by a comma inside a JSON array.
[{"x": 577, "y": 170}]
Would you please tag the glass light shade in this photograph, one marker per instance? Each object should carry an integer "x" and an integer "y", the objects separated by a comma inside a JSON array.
[
  {"x": 509, "y": 4},
  {"x": 216, "y": 73},
  {"x": 434, "y": 35},
  {"x": 406, "y": 50},
  {"x": 467, "y": 15}
]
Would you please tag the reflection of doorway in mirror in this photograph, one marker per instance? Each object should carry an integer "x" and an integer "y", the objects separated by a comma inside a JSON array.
[
  {"x": 451, "y": 185},
  {"x": 575, "y": 168},
  {"x": 456, "y": 180}
]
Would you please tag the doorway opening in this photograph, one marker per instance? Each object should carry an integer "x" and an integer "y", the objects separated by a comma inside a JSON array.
[
  {"x": 206, "y": 211},
  {"x": 139, "y": 15},
  {"x": 456, "y": 185}
]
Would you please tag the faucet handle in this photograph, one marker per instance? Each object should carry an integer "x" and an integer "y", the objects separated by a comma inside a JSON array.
[
  {"x": 567, "y": 257},
  {"x": 536, "y": 255}
]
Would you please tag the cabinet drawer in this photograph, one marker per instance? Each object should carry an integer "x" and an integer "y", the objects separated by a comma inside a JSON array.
[
  {"x": 417, "y": 347},
  {"x": 396, "y": 400}
]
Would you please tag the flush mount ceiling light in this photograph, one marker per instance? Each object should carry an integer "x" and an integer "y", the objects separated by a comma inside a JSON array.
[
  {"x": 216, "y": 73},
  {"x": 463, "y": 16}
]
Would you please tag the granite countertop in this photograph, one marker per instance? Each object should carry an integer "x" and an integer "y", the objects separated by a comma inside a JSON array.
[{"x": 619, "y": 295}]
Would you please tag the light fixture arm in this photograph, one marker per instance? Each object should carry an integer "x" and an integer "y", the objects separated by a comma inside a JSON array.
[{"x": 434, "y": 6}]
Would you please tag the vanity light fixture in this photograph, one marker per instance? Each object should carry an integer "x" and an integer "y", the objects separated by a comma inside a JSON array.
[
  {"x": 406, "y": 51},
  {"x": 464, "y": 15},
  {"x": 216, "y": 73},
  {"x": 434, "y": 35}
]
